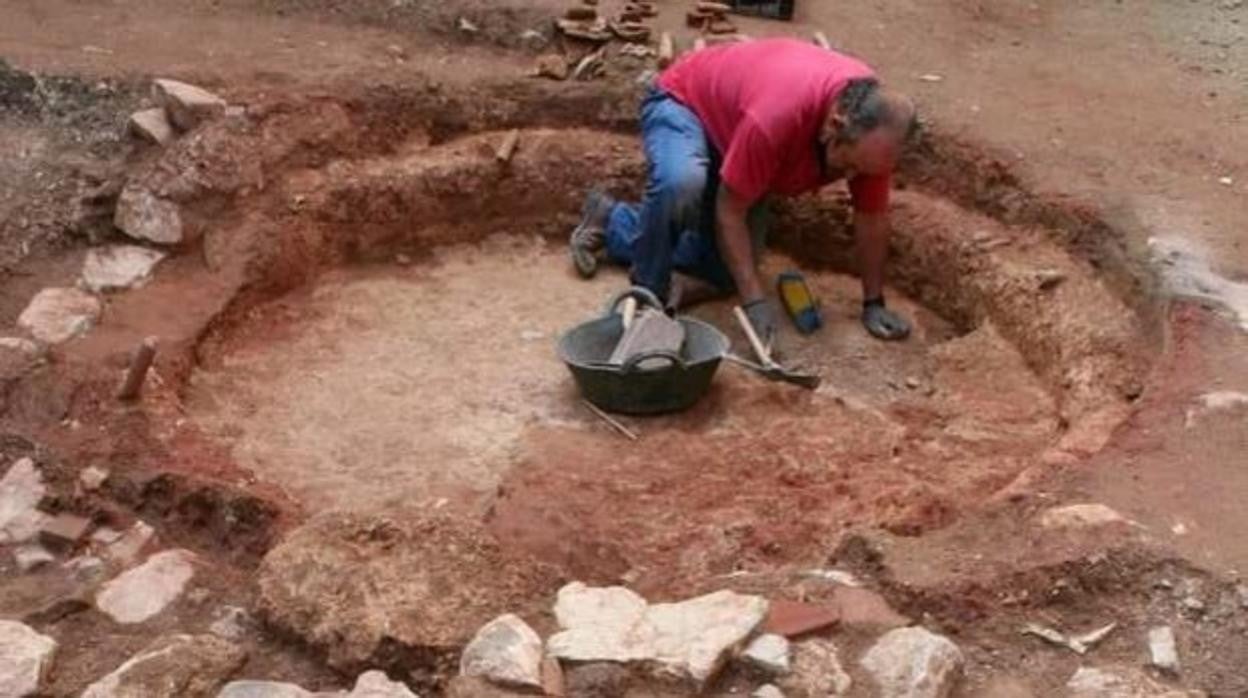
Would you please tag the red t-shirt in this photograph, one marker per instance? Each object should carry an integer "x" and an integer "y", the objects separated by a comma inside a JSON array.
[{"x": 762, "y": 104}]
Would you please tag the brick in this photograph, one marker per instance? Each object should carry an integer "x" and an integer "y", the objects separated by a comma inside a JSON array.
[
  {"x": 795, "y": 618},
  {"x": 64, "y": 530}
]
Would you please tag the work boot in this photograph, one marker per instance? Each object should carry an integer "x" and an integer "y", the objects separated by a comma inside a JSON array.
[{"x": 590, "y": 235}]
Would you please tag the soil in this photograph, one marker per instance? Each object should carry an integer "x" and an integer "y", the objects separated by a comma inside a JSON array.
[{"x": 358, "y": 263}]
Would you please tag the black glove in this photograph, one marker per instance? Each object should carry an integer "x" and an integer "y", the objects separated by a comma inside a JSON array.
[
  {"x": 883, "y": 323},
  {"x": 762, "y": 316}
]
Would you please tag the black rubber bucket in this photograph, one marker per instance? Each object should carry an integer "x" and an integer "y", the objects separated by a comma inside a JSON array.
[{"x": 676, "y": 383}]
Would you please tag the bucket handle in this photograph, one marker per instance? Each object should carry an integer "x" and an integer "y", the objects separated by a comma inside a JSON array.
[
  {"x": 633, "y": 364},
  {"x": 643, "y": 295}
]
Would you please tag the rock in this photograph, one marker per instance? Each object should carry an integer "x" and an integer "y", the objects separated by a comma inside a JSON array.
[
  {"x": 506, "y": 651},
  {"x": 553, "y": 683},
  {"x": 863, "y": 608},
  {"x": 64, "y": 531},
  {"x": 25, "y": 659},
  {"x": 270, "y": 689},
  {"x": 688, "y": 640},
  {"x": 118, "y": 267},
  {"x": 768, "y": 653},
  {"x": 1121, "y": 682},
  {"x": 21, "y": 345},
  {"x": 92, "y": 478},
  {"x": 375, "y": 684},
  {"x": 187, "y": 105},
  {"x": 127, "y": 549},
  {"x": 1082, "y": 516},
  {"x": 816, "y": 671},
  {"x": 796, "y": 618},
  {"x": 473, "y": 687},
  {"x": 144, "y": 591},
  {"x": 1162, "y": 649},
  {"x": 767, "y": 691},
  {"x": 914, "y": 663},
  {"x": 86, "y": 569},
  {"x": 174, "y": 665},
  {"x": 31, "y": 557},
  {"x": 57, "y": 315},
  {"x": 553, "y": 66},
  {"x": 145, "y": 216},
  {"x": 232, "y": 623},
  {"x": 356, "y": 584},
  {"x": 152, "y": 125},
  {"x": 21, "y": 490},
  {"x": 597, "y": 680}
]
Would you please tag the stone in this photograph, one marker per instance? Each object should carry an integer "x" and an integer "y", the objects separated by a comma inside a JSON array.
[
  {"x": 768, "y": 653},
  {"x": 152, "y": 125},
  {"x": 31, "y": 557},
  {"x": 1163, "y": 650},
  {"x": 57, "y": 315},
  {"x": 767, "y": 691},
  {"x": 25, "y": 659},
  {"x": 118, "y": 267},
  {"x": 144, "y": 591},
  {"x": 863, "y": 608},
  {"x": 688, "y": 640},
  {"x": 914, "y": 663},
  {"x": 597, "y": 680},
  {"x": 86, "y": 569},
  {"x": 187, "y": 666},
  {"x": 1121, "y": 682},
  {"x": 21, "y": 345},
  {"x": 553, "y": 66},
  {"x": 354, "y": 584},
  {"x": 473, "y": 687},
  {"x": 375, "y": 684},
  {"x": 143, "y": 215},
  {"x": 816, "y": 671},
  {"x": 553, "y": 683},
  {"x": 131, "y": 545},
  {"x": 796, "y": 618},
  {"x": 21, "y": 490},
  {"x": 506, "y": 651},
  {"x": 269, "y": 689},
  {"x": 92, "y": 478},
  {"x": 64, "y": 531},
  {"x": 232, "y": 623},
  {"x": 187, "y": 105},
  {"x": 1081, "y": 516}
]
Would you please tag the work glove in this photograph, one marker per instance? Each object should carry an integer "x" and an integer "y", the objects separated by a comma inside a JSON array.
[
  {"x": 883, "y": 323},
  {"x": 762, "y": 316}
]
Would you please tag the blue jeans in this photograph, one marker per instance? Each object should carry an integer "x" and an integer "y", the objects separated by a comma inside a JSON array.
[{"x": 674, "y": 226}]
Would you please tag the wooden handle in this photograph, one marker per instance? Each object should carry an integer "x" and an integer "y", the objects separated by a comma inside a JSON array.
[{"x": 764, "y": 356}]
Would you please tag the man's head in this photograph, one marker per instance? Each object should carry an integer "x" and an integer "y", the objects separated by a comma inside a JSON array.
[{"x": 866, "y": 127}]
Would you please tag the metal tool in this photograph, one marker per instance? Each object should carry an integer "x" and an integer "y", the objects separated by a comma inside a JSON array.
[{"x": 768, "y": 367}]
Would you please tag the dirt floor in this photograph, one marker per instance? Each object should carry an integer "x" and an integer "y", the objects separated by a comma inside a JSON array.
[{"x": 365, "y": 310}]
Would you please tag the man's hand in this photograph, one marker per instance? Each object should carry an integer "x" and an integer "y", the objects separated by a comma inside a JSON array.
[
  {"x": 883, "y": 323},
  {"x": 762, "y": 316}
]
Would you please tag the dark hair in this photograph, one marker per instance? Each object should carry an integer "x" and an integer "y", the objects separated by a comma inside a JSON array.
[{"x": 863, "y": 110}]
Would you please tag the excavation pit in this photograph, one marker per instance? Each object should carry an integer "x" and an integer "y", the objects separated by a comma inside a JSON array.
[{"x": 435, "y": 384}]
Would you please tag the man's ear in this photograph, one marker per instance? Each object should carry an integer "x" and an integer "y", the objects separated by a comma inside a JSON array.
[{"x": 831, "y": 127}]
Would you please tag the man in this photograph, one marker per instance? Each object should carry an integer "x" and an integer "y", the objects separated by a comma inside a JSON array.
[{"x": 723, "y": 129}]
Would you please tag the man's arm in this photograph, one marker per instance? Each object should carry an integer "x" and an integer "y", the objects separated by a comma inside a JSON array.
[
  {"x": 733, "y": 235},
  {"x": 871, "y": 238}
]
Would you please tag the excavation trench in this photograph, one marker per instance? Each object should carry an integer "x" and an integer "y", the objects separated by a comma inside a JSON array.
[{"x": 389, "y": 340}]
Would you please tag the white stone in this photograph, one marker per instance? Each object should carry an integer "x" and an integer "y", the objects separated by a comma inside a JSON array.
[
  {"x": 20, "y": 345},
  {"x": 1081, "y": 516},
  {"x": 118, "y": 267},
  {"x": 767, "y": 691},
  {"x": 58, "y": 315},
  {"x": 144, "y": 591},
  {"x": 152, "y": 125},
  {"x": 1163, "y": 650},
  {"x": 25, "y": 659},
  {"x": 21, "y": 490},
  {"x": 914, "y": 663},
  {"x": 1120, "y": 682},
  {"x": 768, "y": 652},
  {"x": 127, "y": 549},
  {"x": 187, "y": 105},
  {"x": 92, "y": 479},
  {"x": 231, "y": 624},
  {"x": 506, "y": 651},
  {"x": 29, "y": 557},
  {"x": 690, "y": 639},
  {"x": 144, "y": 216},
  {"x": 816, "y": 670},
  {"x": 267, "y": 689},
  {"x": 86, "y": 569},
  {"x": 375, "y": 684}
]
